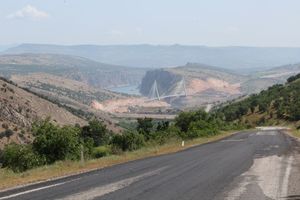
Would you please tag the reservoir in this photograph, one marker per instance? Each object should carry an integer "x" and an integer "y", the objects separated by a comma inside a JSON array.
[{"x": 129, "y": 89}]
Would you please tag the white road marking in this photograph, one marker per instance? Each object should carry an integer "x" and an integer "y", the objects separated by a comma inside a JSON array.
[
  {"x": 271, "y": 128},
  {"x": 238, "y": 140},
  {"x": 267, "y": 133},
  {"x": 106, "y": 189},
  {"x": 35, "y": 190},
  {"x": 285, "y": 182}
]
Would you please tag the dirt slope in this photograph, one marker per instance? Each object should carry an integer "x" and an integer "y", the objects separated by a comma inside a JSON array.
[{"x": 19, "y": 108}]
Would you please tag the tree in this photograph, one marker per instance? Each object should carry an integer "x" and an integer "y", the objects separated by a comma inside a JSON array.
[
  {"x": 145, "y": 126},
  {"x": 128, "y": 141},
  {"x": 97, "y": 131},
  {"x": 183, "y": 120},
  {"x": 202, "y": 128},
  {"x": 55, "y": 143},
  {"x": 293, "y": 78},
  {"x": 162, "y": 126},
  {"x": 262, "y": 107},
  {"x": 20, "y": 158},
  {"x": 295, "y": 112}
]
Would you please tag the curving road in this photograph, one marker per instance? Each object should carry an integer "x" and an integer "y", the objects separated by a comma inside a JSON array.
[{"x": 253, "y": 165}]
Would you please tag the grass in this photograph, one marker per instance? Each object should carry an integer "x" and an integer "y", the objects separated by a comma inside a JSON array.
[
  {"x": 296, "y": 132},
  {"x": 10, "y": 179}
]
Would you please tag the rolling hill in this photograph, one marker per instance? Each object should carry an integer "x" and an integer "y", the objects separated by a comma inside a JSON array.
[
  {"x": 20, "y": 108},
  {"x": 72, "y": 67},
  {"x": 276, "y": 105},
  {"x": 66, "y": 91}
]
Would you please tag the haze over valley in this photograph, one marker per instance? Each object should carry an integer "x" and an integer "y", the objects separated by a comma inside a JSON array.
[
  {"x": 136, "y": 99},
  {"x": 53, "y": 73}
]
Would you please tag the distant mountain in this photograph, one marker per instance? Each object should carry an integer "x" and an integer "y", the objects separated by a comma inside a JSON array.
[
  {"x": 158, "y": 56},
  {"x": 6, "y": 47},
  {"x": 72, "y": 67},
  {"x": 281, "y": 72}
]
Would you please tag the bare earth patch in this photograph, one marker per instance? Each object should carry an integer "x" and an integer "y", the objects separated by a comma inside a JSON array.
[
  {"x": 197, "y": 86},
  {"x": 122, "y": 105}
]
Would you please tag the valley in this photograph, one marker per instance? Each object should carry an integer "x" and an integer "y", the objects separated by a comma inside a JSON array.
[
  {"x": 83, "y": 84},
  {"x": 150, "y": 100},
  {"x": 66, "y": 114},
  {"x": 114, "y": 93}
]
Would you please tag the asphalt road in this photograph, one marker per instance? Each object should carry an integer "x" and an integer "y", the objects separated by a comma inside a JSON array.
[{"x": 251, "y": 165}]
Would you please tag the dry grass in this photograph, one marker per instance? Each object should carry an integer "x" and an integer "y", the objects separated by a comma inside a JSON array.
[
  {"x": 9, "y": 179},
  {"x": 296, "y": 133}
]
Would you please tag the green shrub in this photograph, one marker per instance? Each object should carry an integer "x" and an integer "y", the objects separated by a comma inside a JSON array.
[
  {"x": 102, "y": 151},
  {"x": 162, "y": 136},
  {"x": 56, "y": 143},
  {"x": 20, "y": 158},
  {"x": 128, "y": 141},
  {"x": 200, "y": 128},
  {"x": 97, "y": 131},
  {"x": 293, "y": 78},
  {"x": 145, "y": 127}
]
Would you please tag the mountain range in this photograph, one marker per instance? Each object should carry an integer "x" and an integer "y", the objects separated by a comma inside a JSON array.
[{"x": 159, "y": 56}]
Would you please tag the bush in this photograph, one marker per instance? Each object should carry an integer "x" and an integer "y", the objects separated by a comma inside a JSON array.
[
  {"x": 6, "y": 133},
  {"x": 145, "y": 127},
  {"x": 97, "y": 131},
  {"x": 99, "y": 152},
  {"x": 128, "y": 141},
  {"x": 20, "y": 158},
  {"x": 200, "y": 128},
  {"x": 162, "y": 136},
  {"x": 293, "y": 78},
  {"x": 183, "y": 120},
  {"x": 55, "y": 143}
]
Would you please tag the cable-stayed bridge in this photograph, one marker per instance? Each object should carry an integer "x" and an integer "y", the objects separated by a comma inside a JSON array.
[{"x": 178, "y": 90}]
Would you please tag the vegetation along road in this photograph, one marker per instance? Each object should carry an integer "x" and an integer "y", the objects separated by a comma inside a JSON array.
[{"x": 248, "y": 165}]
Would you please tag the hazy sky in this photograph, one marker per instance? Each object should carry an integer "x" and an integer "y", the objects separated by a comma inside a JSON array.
[{"x": 194, "y": 22}]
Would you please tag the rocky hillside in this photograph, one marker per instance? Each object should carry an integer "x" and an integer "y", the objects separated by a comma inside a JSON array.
[
  {"x": 276, "y": 105},
  {"x": 203, "y": 83},
  {"x": 65, "y": 91},
  {"x": 19, "y": 108},
  {"x": 72, "y": 67},
  {"x": 207, "y": 84}
]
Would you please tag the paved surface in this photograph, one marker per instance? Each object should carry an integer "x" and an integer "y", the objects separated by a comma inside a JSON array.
[{"x": 250, "y": 165}]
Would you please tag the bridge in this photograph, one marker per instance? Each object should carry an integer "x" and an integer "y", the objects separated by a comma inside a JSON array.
[{"x": 178, "y": 90}]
